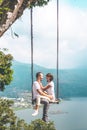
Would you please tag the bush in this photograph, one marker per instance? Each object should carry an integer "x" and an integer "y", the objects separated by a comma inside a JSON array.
[
  {"x": 8, "y": 120},
  {"x": 41, "y": 125}
]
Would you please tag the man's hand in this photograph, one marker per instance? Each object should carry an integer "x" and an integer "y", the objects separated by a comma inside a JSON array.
[
  {"x": 44, "y": 94},
  {"x": 50, "y": 96}
]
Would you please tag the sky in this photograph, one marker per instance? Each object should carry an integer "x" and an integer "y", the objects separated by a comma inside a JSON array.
[{"x": 72, "y": 35}]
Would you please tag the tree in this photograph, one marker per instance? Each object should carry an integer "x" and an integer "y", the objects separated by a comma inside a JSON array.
[
  {"x": 5, "y": 69},
  {"x": 10, "y": 10}
]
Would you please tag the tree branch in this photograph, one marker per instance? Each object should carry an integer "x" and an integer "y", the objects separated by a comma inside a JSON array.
[
  {"x": 13, "y": 9},
  {"x": 12, "y": 16}
]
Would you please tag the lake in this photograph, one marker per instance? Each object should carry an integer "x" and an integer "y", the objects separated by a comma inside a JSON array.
[{"x": 70, "y": 114}]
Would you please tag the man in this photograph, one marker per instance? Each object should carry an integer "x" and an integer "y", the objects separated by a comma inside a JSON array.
[{"x": 37, "y": 91}]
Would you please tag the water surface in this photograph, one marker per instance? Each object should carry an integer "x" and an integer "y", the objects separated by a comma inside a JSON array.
[{"x": 68, "y": 115}]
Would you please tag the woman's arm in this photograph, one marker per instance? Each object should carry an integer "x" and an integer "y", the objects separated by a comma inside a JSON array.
[{"x": 46, "y": 87}]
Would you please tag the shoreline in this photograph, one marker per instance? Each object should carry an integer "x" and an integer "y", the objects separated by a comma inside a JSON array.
[{"x": 24, "y": 101}]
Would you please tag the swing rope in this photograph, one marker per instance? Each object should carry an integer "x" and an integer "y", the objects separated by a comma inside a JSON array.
[
  {"x": 31, "y": 18},
  {"x": 57, "y": 82}
]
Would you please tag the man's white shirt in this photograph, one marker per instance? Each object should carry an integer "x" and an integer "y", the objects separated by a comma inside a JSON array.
[{"x": 36, "y": 86}]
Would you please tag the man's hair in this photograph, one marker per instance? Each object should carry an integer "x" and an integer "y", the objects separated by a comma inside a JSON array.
[
  {"x": 38, "y": 74},
  {"x": 50, "y": 75}
]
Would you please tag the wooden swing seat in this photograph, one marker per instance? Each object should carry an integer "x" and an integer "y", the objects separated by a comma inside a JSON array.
[{"x": 56, "y": 101}]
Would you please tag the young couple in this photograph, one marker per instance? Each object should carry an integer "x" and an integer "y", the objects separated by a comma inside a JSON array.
[{"x": 43, "y": 94}]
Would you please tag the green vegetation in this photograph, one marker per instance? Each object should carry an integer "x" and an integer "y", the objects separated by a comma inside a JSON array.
[
  {"x": 39, "y": 3},
  {"x": 5, "y": 69},
  {"x": 1, "y": 2},
  {"x": 9, "y": 5},
  {"x": 7, "y": 117},
  {"x": 41, "y": 125},
  {"x": 8, "y": 120}
]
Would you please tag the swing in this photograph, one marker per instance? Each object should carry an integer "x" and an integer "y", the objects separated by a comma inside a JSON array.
[{"x": 57, "y": 90}]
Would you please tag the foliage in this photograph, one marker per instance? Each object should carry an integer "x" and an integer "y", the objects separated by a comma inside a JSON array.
[
  {"x": 39, "y": 3},
  {"x": 5, "y": 69},
  {"x": 41, "y": 125},
  {"x": 9, "y": 5},
  {"x": 7, "y": 117},
  {"x": 1, "y": 2},
  {"x": 8, "y": 120},
  {"x": 5, "y": 6}
]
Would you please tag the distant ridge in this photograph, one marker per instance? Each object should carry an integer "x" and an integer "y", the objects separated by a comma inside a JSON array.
[{"x": 72, "y": 82}]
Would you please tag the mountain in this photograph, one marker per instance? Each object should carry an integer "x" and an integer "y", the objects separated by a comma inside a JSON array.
[{"x": 72, "y": 82}]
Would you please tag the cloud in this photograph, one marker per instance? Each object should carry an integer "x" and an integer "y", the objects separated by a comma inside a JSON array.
[
  {"x": 18, "y": 47},
  {"x": 72, "y": 38}
]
